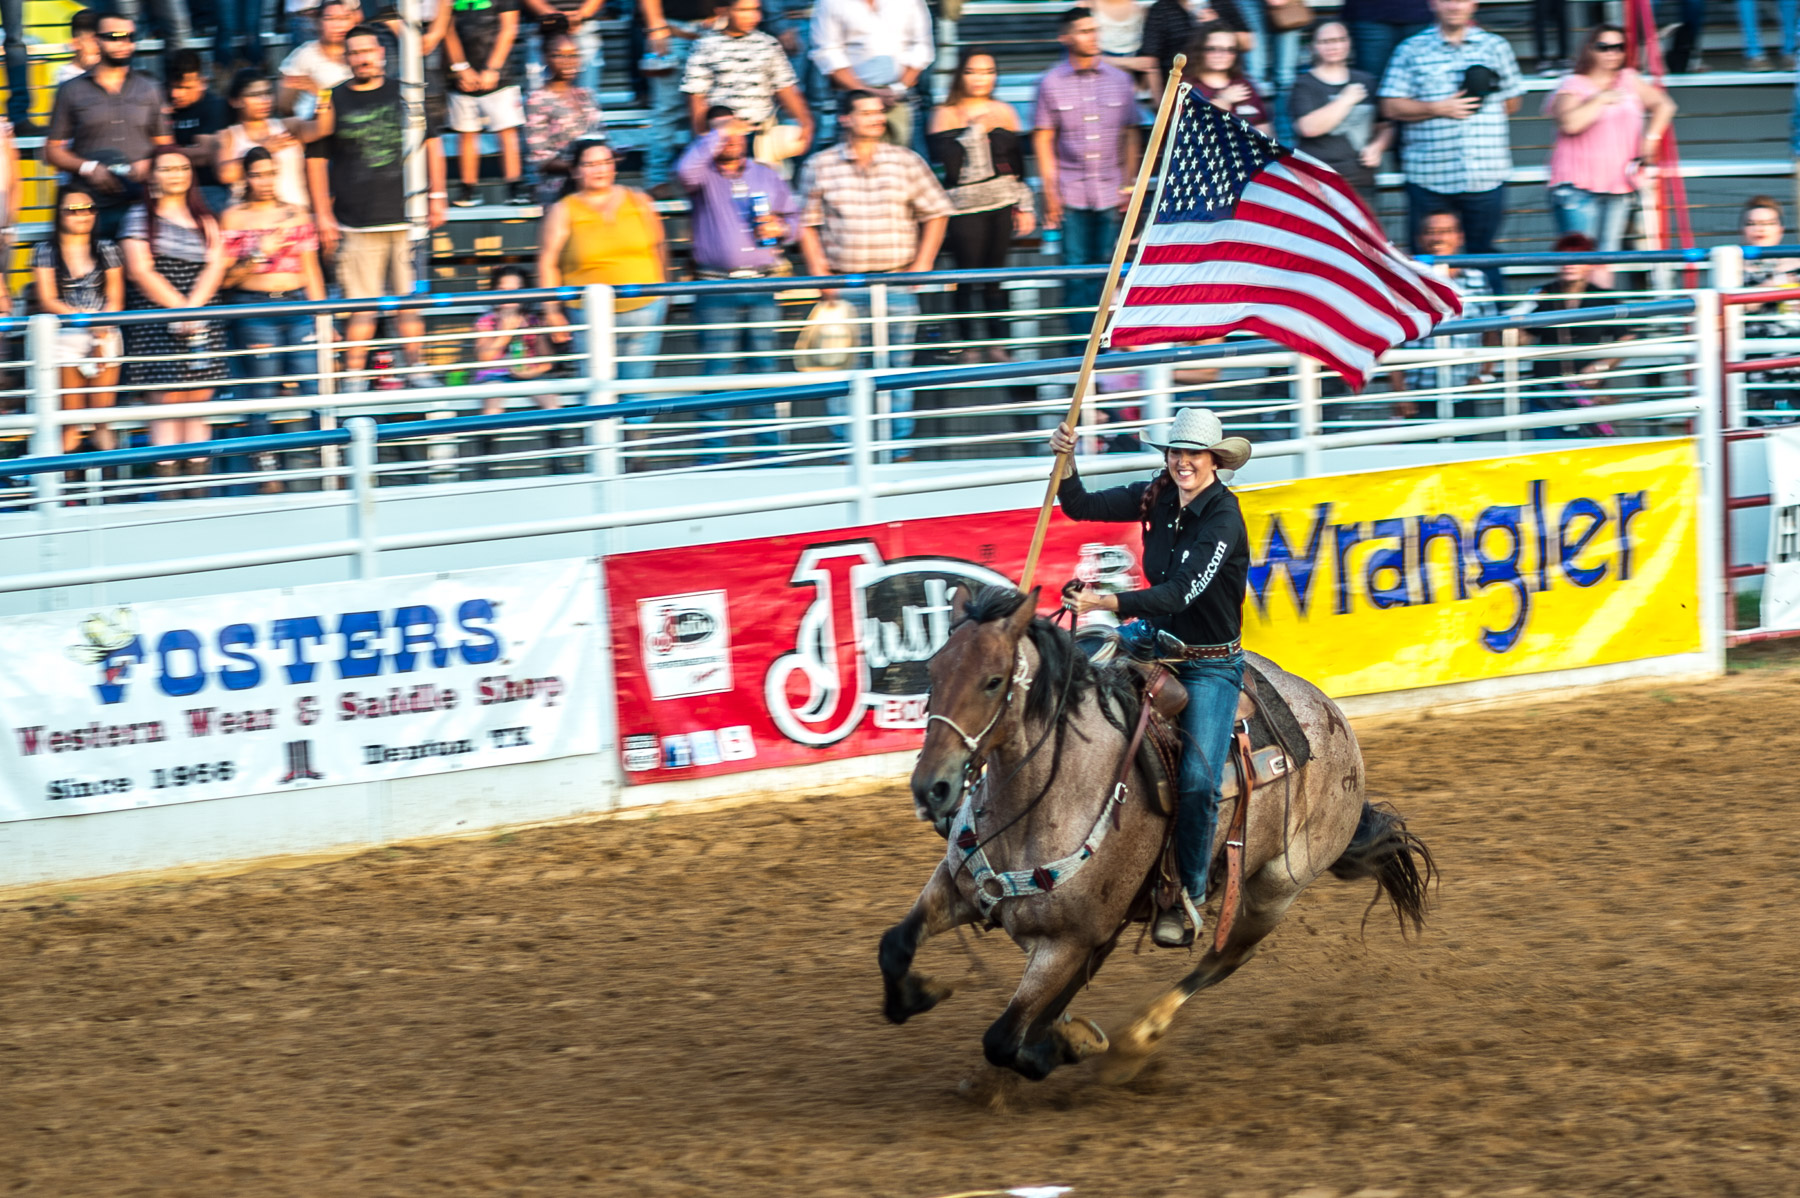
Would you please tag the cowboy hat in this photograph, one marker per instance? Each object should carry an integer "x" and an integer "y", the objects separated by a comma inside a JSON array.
[
  {"x": 1197, "y": 428},
  {"x": 778, "y": 143}
]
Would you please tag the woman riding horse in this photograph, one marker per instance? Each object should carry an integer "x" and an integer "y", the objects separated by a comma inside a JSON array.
[{"x": 1196, "y": 557}]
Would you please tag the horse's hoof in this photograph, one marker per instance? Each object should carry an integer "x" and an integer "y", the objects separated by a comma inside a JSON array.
[
  {"x": 1078, "y": 1039},
  {"x": 914, "y": 996}
]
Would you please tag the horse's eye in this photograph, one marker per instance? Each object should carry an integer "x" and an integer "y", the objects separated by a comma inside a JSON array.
[{"x": 993, "y": 683}]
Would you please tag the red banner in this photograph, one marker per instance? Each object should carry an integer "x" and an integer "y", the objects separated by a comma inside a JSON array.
[{"x": 795, "y": 649}]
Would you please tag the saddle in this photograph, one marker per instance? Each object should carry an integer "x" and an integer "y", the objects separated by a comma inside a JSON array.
[{"x": 1268, "y": 744}]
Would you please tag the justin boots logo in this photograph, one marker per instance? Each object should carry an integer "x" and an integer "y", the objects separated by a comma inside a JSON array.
[
  {"x": 864, "y": 640},
  {"x": 300, "y": 767}
]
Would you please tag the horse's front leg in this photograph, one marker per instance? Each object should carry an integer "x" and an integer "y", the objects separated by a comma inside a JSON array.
[
  {"x": 1027, "y": 1038},
  {"x": 938, "y": 908}
]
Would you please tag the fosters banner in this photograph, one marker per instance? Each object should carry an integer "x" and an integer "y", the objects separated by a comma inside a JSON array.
[
  {"x": 802, "y": 648},
  {"x": 169, "y": 702}
]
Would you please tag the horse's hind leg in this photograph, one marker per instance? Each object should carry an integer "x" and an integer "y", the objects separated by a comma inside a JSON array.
[
  {"x": 1132, "y": 1047},
  {"x": 938, "y": 909}
]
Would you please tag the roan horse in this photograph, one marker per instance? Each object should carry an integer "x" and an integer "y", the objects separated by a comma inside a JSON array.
[{"x": 1032, "y": 734}]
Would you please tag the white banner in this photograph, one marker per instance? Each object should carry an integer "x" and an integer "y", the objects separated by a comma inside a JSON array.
[
  {"x": 176, "y": 701},
  {"x": 1781, "y": 584}
]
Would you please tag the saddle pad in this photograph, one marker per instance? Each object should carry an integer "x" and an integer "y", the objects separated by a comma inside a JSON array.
[{"x": 1274, "y": 724}]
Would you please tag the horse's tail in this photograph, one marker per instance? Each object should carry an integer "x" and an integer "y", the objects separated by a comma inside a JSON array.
[{"x": 1384, "y": 850}]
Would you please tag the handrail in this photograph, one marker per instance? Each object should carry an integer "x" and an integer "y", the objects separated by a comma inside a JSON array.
[
  {"x": 899, "y": 380},
  {"x": 428, "y": 300}
]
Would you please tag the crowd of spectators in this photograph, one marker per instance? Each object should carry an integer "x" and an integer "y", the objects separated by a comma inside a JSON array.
[{"x": 804, "y": 135}]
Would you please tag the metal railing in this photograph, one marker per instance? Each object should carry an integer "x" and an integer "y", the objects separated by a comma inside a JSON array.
[{"x": 1300, "y": 422}]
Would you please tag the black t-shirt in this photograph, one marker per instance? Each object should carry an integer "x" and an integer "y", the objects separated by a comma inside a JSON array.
[
  {"x": 365, "y": 153},
  {"x": 478, "y": 28},
  {"x": 207, "y": 115},
  {"x": 1339, "y": 148}
]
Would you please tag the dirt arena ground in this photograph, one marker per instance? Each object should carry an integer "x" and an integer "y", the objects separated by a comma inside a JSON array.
[{"x": 1606, "y": 1002}]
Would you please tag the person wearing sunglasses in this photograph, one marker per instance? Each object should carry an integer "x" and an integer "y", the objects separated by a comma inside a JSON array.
[
  {"x": 285, "y": 138},
  {"x": 107, "y": 123},
  {"x": 76, "y": 272},
  {"x": 1610, "y": 122}
]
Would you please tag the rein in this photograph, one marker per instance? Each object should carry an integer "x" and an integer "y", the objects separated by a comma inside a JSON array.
[{"x": 991, "y": 886}]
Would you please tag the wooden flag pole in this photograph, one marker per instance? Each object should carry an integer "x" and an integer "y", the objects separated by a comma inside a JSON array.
[{"x": 1145, "y": 167}]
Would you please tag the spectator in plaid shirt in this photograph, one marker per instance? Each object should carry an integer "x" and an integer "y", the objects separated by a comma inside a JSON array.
[
  {"x": 867, "y": 207},
  {"x": 1441, "y": 237},
  {"x": 1453, "y": 86}
]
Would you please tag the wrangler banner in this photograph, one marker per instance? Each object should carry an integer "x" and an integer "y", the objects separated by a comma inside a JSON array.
[
  {"x": 1399, "y": 579},
  {"x": 803, "y": 648},
  {"x": 178, "y": 700}
]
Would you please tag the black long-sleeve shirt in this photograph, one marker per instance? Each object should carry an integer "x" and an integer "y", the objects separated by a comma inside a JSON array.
[{"x": 1196, "y": 558}]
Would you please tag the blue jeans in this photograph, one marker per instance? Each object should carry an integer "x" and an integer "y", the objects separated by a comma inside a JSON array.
[
  {"x": 1788, "y": 10},
  {"x": 754, "y": 347},
  {"x": 1206, "y": 722},
  {"x": 239, "y": 39},
  {"x": 18, "y": 65},
  {"x": 1372, "y": 43},
  {"x": 638, "y": 334},
  {"x": 669, "y": 114},
  {"x": 903, "y": 309},
  {"x": 1089, "y": 236},
  {"x": 1600, "y": 215},
  {"x": 1271, "y": 62},
  {"x": 291, "y": 350}
]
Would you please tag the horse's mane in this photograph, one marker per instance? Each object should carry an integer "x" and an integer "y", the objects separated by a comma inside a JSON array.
[{"x": 1065, "y": 675}]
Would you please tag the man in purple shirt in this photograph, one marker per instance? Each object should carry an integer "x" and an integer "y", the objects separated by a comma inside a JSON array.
[
  {"x": 743, "y": 214},
  {"x": 1085, "y": 140}
]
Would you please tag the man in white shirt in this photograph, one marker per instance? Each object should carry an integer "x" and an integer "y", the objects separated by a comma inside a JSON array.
[{"x": 876, "y": 46}]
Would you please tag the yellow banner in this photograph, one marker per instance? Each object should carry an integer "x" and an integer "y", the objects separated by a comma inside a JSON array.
[{"x": 1435, "y": 574}]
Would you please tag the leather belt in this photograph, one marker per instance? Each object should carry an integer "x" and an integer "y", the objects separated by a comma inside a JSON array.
[
  {"x": 1212, "y": 652},
  {"x": 734, "y": 274}
]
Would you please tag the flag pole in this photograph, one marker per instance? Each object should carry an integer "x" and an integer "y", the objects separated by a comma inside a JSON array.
[{"x": 1145, "y": 167}]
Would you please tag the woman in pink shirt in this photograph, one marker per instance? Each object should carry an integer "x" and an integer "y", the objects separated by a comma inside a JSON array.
[{"x": 1610, "y": 121}]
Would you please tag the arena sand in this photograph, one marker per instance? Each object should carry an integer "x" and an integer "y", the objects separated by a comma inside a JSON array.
[{"x": 1606, "y": 1002}]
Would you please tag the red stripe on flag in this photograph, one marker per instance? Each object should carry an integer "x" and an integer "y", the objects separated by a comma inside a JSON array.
[
  {"x": 1412, "y": 288},
  {"x": 1256, "y": 254},
  {"x": 1327, "y": 178},
  {"x": 1380, "y": 255},
  {"x": 1190, "y": 294}
]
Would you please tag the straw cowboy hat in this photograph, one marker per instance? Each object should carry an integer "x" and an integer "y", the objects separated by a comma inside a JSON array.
[
  {"x": 1197, "y": 428},
  {"x": 778, "y": 143}
]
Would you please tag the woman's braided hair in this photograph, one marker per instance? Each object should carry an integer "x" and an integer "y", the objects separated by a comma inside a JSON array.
[{"x": 1152, "y": 493}]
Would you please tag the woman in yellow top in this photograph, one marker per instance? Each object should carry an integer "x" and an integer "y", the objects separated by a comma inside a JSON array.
[{"x": 600, "y": 232}]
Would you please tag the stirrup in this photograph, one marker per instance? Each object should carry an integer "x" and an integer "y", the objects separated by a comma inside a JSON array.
[{"x": 1169, "y": 930}]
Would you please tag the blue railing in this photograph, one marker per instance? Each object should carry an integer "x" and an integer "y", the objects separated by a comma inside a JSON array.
[{"x": 723, "y": 401}]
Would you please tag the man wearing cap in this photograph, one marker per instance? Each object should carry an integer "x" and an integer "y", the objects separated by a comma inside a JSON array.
[{"x": 1196, "y": 558}]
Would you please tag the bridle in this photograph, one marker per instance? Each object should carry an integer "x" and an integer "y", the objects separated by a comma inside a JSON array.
[{"x": 1021, "y": 682}]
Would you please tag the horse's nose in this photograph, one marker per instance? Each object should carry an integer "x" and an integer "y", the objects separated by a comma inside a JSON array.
[{"x": 939, "y": 794}]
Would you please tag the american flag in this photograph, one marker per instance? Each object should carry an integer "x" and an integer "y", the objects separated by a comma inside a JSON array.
[{"x": 1246, "y": 234}]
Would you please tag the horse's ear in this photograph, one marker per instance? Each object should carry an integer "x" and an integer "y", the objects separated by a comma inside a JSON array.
[
  {"x": 1020, "y": 620},
  {"x": 955, "y": 601}
]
